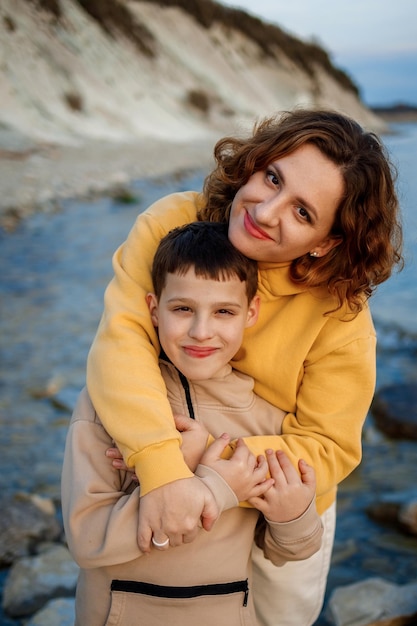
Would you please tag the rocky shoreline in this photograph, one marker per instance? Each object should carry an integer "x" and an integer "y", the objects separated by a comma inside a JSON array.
[
  {"x": 40, "y": 584},
  {"x": 38, "y": 176}
]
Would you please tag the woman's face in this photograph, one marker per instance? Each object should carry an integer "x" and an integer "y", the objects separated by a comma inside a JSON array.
[{"x": 288, "y": 210}]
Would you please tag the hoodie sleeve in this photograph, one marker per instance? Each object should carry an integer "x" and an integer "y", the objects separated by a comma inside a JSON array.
[
  {"x": 97, "y": 500},
  {"x": 295, "y": 540}
]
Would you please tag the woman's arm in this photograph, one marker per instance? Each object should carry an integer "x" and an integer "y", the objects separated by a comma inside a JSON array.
[
  {"x": 123, "y": 375},
  {"x": 332, "y": 402}
]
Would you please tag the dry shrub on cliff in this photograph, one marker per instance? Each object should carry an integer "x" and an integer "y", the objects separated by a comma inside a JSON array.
[
  {"x": 199, "y": 100},
  {"x": 74, "y": 101},
  {"x": 269, "y": 37},
  {"x": 51, "y": 6},
  {"x": 114, "y": 15},
  {"x": 9, "y": 24}
]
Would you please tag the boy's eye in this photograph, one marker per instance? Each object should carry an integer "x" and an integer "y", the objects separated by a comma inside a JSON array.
[
  {"x": 185, "y": 309},
  {"x": 225, "y": 312}
]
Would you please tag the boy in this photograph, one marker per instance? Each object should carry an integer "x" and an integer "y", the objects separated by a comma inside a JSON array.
[{"x": 204, "y": 297}]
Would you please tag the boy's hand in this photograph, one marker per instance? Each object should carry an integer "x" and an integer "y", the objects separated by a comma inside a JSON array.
[
  {"x": 194, "y": 439},
  {"x": 194, "y": 443},
  {"x": 245, "y": 474},
  {"x": 291, "y": 493}
]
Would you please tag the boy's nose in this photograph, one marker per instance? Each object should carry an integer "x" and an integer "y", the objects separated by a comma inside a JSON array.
[{"x": 200, "y": 328}]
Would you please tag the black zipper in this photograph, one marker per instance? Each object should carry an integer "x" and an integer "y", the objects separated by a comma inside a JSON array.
[{"x": 186, "y": 386}]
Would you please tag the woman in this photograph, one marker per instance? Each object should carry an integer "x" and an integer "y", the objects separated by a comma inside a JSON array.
[{"x": 311, "y": 197}]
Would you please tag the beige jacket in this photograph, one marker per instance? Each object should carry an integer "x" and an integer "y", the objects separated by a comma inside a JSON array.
[{"x": 100, "y": 509}]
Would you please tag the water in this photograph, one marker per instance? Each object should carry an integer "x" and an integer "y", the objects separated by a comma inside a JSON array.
[
  {"x": 54, "y": 270},
  {"x": 397, "y": 298},
  {"x": 394, "y": 305}
]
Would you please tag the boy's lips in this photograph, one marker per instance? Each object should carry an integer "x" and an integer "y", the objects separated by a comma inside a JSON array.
[
  {"x": 199, "y": 352},
  {"x": 252, "y": 229}
]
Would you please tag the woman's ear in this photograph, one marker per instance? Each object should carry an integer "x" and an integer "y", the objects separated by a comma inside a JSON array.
[
  {"x": 253, "y": 312},
  {"x": 152, "y": 302},
  {"x": 325, "y": 246}
]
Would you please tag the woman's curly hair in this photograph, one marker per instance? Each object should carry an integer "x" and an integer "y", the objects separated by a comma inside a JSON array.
[{"x": 368, "y": 216}]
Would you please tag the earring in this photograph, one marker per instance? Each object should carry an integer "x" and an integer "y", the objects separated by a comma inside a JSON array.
[{"x": 314, "y": 254}]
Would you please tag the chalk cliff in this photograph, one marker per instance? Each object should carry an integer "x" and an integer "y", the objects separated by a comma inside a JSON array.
[{"x": 117, "y": 70}]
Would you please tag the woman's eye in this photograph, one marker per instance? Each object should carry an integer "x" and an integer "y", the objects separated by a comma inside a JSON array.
[
  {"x": 272, "y": 177},
  {"x": 304, "y": 214}
]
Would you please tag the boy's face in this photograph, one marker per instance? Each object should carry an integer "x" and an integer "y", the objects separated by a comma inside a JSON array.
[{"x": 201, "y": 321}]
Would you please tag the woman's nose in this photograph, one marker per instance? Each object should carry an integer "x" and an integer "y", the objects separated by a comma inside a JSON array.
[{"x": 268, "y": 212}]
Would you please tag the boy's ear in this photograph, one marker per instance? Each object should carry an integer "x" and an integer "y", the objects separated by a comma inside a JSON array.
[
  {"x": 253, "y": 312},
  {"x": 152, "y": 302}
]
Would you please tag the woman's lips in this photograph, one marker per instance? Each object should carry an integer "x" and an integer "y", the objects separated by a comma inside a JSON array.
[
  {"x": 199, "y": 352},
  {"x": 252, "y": 229}
]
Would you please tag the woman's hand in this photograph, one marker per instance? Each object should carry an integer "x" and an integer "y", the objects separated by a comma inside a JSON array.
[
  {"x": 118, "y": 461},
  {"x": 291, "y": 493},
  {"x": 245, "y": 474},
  {"x": 176, "y": 511}
]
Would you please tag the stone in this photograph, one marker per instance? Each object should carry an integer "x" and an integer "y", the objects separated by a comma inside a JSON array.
[
  {"x": 32, "y": 581},
  {"x": 405, "y": 620},
  {"x": 400, "y": 515},
  {"x": 394, "y": 410},
  {"x": 372, "y": 601},
  {"x": 60, "y": 611},
  {"x": 25, "y": 521},
  {"x": 407, "y": 516},
  {"x": 66, "y": 399}
]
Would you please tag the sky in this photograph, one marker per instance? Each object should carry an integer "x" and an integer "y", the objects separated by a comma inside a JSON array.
[{"x": 374, "y": 41}]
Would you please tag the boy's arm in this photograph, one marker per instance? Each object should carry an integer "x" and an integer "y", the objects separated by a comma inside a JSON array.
[
  {"x": 294, "y": 529},
  {"x": 295, "y": 540},
  {"x": 100, "y": 518}
]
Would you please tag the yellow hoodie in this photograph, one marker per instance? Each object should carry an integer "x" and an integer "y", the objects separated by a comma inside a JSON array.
[{"x": 319, "y": 369}]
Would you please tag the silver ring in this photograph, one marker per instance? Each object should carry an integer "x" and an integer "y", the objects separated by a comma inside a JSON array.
[{"x": 160, "y": 545}]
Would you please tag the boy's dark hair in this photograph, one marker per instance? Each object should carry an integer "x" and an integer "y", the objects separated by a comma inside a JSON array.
[{"x": 205, "y": 247}]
